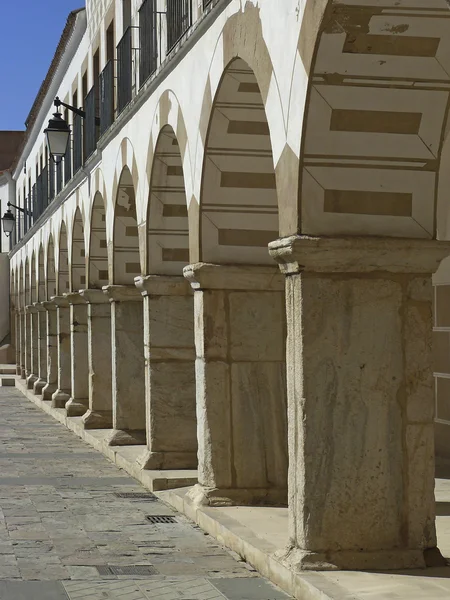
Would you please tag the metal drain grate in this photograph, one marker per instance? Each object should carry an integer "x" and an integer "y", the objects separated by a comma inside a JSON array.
[
  {"x": 160, "y": 519},
  {"x": 139, "y": 570},
  {"x": 136, "y": 496}
]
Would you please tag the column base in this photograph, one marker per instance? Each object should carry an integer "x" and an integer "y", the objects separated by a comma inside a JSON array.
[
  {"x": 201, "y": 495},
  {"x": 133, "y": 437},
  {"x": 60, "y": 399},
  {"x": 39, "y": 386},
  {"x": 48, "y": 391},
  {"x": 18, "y": 370},
  {"x": 354, "y": 560},
  {"x": 167, "y": 460},
  {"x": 22, "y": 373},
  {"x": 31, "y": 379},
  {"x": 97, "y": 419},
  {"x": 75, "y": 408}
]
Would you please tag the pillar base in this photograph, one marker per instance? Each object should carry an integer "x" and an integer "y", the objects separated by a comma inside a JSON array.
[
  {"x": 39, "y": 386},
  {"x": 97, "y": 419},
  {"x": 376, "y": 560},
  {"x": 31, "y": 379},
  {"x": 48, "y": 391},
  {"x": 22, "y": 373},
  {"x": 60, "y": 399},
  {"x": 167, "y": 460},
  {"x": 18, "y": 370},
  {"x": 121, "y": 437},
  {"x": 205, "y": 496},
  {"x": 75, "y": 408}
]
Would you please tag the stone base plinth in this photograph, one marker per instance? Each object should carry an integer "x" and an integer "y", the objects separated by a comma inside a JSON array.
[
  {"x": 48, "y": 391},
  {"x": 129, "y": 437},
  {"x": 167, "y": 460},
  {"x": 31, "y": 380},
  {"x": 76, "y": 408},
  {"x": 97, "y": 419},
  {"x": 39, "y": 386},
  {"x": 201, "y": 495},
  {"x": 60, "y": 399}
]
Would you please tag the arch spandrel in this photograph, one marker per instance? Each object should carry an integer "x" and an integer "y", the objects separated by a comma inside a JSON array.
[
  {"x": 63, "y": 262},
  {"x": 78, "y": 254},
  {"x": 374, "y": 121},
  {"x": 51, "y": 271},
  {"x": 98, "y": 275},
  {"x": 41, "y": 295}
]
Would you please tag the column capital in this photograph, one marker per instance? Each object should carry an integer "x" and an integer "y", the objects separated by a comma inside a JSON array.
[
  {"x": 233, "y": 277},
  {"x": 30, "y": 308},
  {"x": 60, "y": 301},
  {"x": 94, "y": 296},
  {"x": 301, "y": 253},
  {"x": 162, "y": 285},
  {"x": 122, "y": 293},
  {"x": 49, "y": 305},
  {"x": 39, "y": 307},
  {"x": 75, "y": 298}
]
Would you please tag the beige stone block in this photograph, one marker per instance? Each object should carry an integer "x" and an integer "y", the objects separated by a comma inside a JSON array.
[
  {"x": 442, "y": 307},
  {"x": 441, "y": 440},
  {"x": 441, "y": 351},
  {"x": 210, "y": 324},
  {"x": 214, "y": 423},
  {"x": 259, "y": 409},
  {"x": 171, "y": 321},
  {"x": 257, "y": 326},
  {"x": 443, "y": 400}
]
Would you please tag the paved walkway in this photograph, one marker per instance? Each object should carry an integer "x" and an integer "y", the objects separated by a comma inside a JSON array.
[{"x": 73, "y": 525}]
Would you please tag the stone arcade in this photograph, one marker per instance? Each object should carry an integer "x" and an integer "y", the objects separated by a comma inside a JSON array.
[{"x": 238, "y": 277}]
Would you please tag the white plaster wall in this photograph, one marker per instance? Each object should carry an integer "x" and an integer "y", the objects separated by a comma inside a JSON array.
[{"x": 4, "y": 295}]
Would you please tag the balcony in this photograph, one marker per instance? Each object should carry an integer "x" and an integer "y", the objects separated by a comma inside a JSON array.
[{"x": 141, "y": 51}]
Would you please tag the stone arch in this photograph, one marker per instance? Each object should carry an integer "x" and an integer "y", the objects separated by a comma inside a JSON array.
[
  {"x": 126, "y": 257},
  {"x": 78, "y": 254},
  {"x": 33, "y": 279},
  {"x": 63, "y": 261},
  {"x": 167, "y": 218},
  {"x": 98, "y": 246},
  {"x": 20, "y": 287},
  {"x": 372, "y": 142},
  {"x": 239, "y": 205},
  {"x": 126, "y": 159},
  {"x": 51, "y": 271},
  {"x": 41, "y": 274}
]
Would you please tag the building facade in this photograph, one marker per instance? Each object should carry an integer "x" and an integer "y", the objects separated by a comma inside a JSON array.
[{"x": 232, "y": 267}]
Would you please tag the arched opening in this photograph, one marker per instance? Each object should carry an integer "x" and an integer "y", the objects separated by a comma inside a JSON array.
[
  {"x": 78, "y": 259},
  {"x": 41, "y": 275},
  {"x": 27, "y": 319},
  {"x": 63, "y": 262},
  {"x": 33, "y": 280},
  {"x": 34, "y": 338},
  {"x": 242, "y": 305},
  {"x": 129, "y": 419},
  {"x": 126, "y": 257},
  {"x": 41, "y": 318},
  {"x": 169, "y": 317},
  {"x": 98, "y": 248},
  {"x": 21, "y": 301},
  {"x": 168, "y": 229},
  {"x": 51, "y": 271}
]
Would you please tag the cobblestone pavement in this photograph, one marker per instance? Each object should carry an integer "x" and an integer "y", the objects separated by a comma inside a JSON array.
[{"x": 71, "y": 526}]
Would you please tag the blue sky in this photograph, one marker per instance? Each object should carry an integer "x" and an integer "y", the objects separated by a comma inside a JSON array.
[{"x": 29, "y": 35}]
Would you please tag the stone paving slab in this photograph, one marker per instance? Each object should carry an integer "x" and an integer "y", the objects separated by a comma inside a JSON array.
[{"x": 63, "y": 526}]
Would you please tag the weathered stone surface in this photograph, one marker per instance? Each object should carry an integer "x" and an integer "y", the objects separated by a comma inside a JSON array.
[
  {"x": 62, "y": 394},
  {"x": 78, "y": 403},
  {"x": 52, "y": 350}
]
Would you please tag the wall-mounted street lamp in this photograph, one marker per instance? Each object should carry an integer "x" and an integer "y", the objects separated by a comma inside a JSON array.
[
  {"x": 58, "y": 131},
  {"x": 9, "y": 220}
]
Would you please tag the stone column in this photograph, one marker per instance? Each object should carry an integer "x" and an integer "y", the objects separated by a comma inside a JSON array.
[
  {"x": 23, "y": 325},
  {"x": 128, "y": 387},
  {"x": 360, "y": 401},
  {"x": 16, "y": 316},
  {"x": 78, "y": 403},
  {"x": 99, "y": 414},
  {"x": 32, "y": 342},
  {"x": 241, "y": 390},
  {"x": 41, "y": 318},
  {"x": 52, "y": 350},
  {"x": 62, "y": 394},
  {"x": 169, "y": 352}
]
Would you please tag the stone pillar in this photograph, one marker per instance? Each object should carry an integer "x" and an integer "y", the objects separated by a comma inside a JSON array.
[
  {"x": 41, "y": 318},
  {"x": 127, "y": 345},
  {"x": 62, "y": 394},
  {"x": 23, "y": 342},
  {"x": 32, "y": 342},
  {"x": 16, "y": 333},
  {"x": 78, "y": 403},
  {"x": 241, "y": 389},
  {"x": 52, "y": 350},
  {"x": 27, "y": 341},
  {"x": 360, "y": 401},
  {"x": 169, "y": 352},
  {"x": 99, "y": 414}
]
